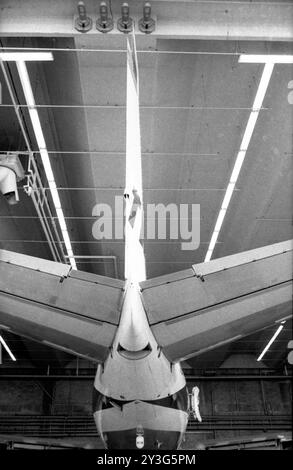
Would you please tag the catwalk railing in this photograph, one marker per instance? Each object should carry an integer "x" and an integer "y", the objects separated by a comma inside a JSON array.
[
  {"x": 65, "y": 426},
  {"x": 47, "y": 372}
]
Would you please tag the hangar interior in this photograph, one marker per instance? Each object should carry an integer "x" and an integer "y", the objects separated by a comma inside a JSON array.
[{"x": 196, "y": 99}]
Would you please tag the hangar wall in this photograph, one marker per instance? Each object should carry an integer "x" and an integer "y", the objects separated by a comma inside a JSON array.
[{"x": 230, "y": 407}]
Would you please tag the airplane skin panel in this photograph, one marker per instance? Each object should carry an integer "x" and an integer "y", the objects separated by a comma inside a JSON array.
[
  {"x": 90, "y": 299},
  {"x": 77, "y": 314},
  {"x": 97, "y": 279},
  {"x": 153, "y": 439},
  {"x": 167, "y": 278},
  {"x": 157, "y": 418},
  {"x": 245, "y": 257},
  {"x": 192, "y": 294},
  {"x": 192, "y": 335},
  {"x": 31, "y": 262},
  {"x": 192, "y": 314},
  {"x": 66, "y": 331}
]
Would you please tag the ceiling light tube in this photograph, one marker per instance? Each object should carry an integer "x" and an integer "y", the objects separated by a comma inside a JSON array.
[
  {"x": 270, "y": 342},
  {"x": 208, "y": 256},
  {"x": 47, "y": 165},
  {"x": 237, "y": 167},
  {"x": 26, "y": 56},
  {"x": 220, "y": 219},
  {"x": 228, "y": 196},
  {"x": 7, "y": 348},
  {"x": 55, "y": 196},
  {"x": 213, "y": 240},
  {"x": 26, "y": 84},
  {"x": 25, "y": 81},
  {"x": 263, "y": 85},
  {"x": 66, "y": 239},
  {"x": 257, "y": 104},
  {"x": 249, "y": 130},
  {"x": 265, "y": 59},
  {"x": 61, "y": 220},
  {"x": 37, "y": 128}
]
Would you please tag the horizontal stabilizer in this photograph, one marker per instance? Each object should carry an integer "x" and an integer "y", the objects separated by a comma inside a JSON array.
[
  {"x": 71, "y": 310},
  {"x": 213, "y": 303}
]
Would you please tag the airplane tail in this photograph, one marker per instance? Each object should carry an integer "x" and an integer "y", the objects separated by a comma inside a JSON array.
[{"x": 134, "y": 269}]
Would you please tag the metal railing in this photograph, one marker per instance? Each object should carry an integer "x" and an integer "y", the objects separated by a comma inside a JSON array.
[
  {"x": 190, "y": 374},
  {"x": 84, "y": 425}
]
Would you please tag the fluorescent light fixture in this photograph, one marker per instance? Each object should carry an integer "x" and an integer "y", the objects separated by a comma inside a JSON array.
[
  {"x": 270, "y": 342},
  {"x": 37, "y": 128},
  {"x": 26, "y": 84},
  {"x": 26, "y": 56},
  {"x": 213, "y": 240},
  {"x": 55, "y": 196},
  {"x": 249, "y": 130},
  {"x": 47, "y": 165},
  {"x": 228, "y": 195},
  {"x": 29, "y": 96},
  {"x": 220, "y": 219},
  {"x": 257, "y": 104},
  {"x": 263, "y": 85},
  {"x": 208, "y": 256},
  {"x": 265, "y": 59},
  {"x": 61, "y": 220},
  {"x": 219, "y": 222},
  {"x": 66, "y": 239},
  {"x": 7, "y": 348},
  {"x": 237, "y": 166}
]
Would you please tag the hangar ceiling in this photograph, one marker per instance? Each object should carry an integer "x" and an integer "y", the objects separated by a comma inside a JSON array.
[{"x": 195, "y": 101}]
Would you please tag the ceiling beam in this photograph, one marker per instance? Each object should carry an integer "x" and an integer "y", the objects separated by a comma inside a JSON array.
[{"x": 219, "y": 20}]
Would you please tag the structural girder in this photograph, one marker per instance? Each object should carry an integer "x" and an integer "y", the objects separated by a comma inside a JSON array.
[{"x": 261, "y": 21}]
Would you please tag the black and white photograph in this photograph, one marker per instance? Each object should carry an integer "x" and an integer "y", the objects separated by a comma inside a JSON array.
[{"x": 146, "y": 194}]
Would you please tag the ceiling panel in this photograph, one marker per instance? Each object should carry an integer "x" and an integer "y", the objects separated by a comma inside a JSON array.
[{"x": 189, "y": 150}]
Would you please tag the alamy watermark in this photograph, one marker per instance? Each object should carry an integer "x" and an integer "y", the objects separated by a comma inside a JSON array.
[{"x": 161, "y": 222}]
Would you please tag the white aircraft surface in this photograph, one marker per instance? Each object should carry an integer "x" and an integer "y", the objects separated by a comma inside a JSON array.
[{"x": 138, "y": 331}]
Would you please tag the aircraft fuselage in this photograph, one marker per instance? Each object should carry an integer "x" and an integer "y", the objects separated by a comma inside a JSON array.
[{"x": 140, "y": 398}]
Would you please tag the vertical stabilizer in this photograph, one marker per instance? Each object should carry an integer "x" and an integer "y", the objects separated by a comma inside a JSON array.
[{"x": 134, "y": 255}]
